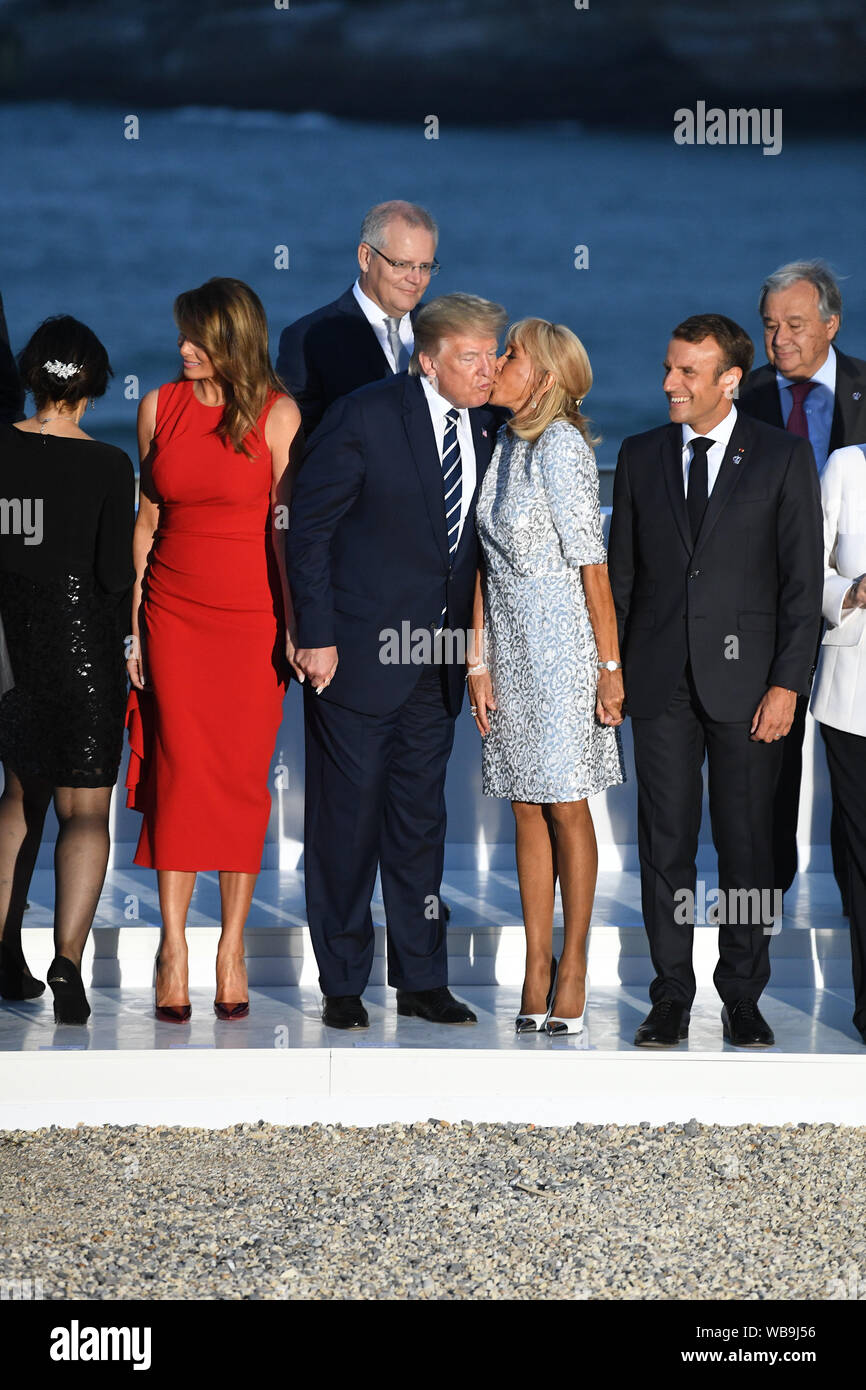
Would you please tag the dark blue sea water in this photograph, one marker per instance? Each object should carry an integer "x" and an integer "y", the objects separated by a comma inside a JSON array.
[{"x": 111, "y": 229}]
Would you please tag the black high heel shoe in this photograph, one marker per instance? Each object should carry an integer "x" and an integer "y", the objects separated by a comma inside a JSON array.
[
  {"x": 67, "y": 986},
  {"x": 16, "y": 982}
]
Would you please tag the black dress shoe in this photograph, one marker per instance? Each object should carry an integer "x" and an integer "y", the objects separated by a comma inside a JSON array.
[
  {"x": 666, "y": 1024},
  {"x": 344, "y": 1011},
  {"x": 744, "y": 1026},
  {"x": 434, "y": 1005}
]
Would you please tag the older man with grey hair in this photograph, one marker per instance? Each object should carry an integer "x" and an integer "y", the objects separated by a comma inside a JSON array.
[
  {"x": 366, "y": 334},
  {"x": 809, "y": 388}
]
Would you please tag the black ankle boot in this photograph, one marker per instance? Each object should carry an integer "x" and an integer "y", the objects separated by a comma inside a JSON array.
[
  {"x": 70, "y": 1001},
  {"x": 15, "y": 981}
]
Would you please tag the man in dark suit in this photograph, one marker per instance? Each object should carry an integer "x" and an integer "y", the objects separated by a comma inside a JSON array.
[
  {"x": 11, "y": 390},
  {"x": 810, "y": 388},
  {"x": 366, "y": 334},
  {"x": 716, "y": 567},
  {"x": 381, "y": 561}
]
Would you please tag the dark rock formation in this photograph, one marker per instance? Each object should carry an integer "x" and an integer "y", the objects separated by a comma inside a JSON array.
[{"x": 616, "y": 62}]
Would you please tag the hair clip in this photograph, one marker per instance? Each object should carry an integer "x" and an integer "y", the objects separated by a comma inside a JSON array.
[{"x": 62, "y": 369}]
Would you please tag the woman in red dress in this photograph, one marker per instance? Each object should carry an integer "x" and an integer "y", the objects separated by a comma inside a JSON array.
[{"x": 209, "y": 648}]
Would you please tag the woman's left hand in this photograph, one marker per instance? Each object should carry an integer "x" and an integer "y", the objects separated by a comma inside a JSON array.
[
  {"x": 481, "y": 700},
  {"x": 135, "y": 661},
  {"x": 856, "y": 595},
  {"x": 610, "y": 698}
]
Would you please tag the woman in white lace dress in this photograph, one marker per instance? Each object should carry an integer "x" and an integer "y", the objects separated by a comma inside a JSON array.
[{"x": 547, "y": 694}]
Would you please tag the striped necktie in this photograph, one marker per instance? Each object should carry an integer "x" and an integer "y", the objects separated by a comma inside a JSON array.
[
  {"x": 452, "y": 487},
  {"x": 452, "y": 480}
]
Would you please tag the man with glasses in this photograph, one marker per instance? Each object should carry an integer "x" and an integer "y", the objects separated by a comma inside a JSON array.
[{"x": 367, "y": 333}]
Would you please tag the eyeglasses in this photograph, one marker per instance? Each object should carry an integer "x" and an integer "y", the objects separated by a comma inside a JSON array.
[{"x": 426, "y": 267}]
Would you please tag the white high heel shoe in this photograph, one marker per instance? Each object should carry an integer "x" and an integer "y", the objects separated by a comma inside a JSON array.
[
  {"x": 534, "y": 1023},
  {"x": 556, "y": 1027}
]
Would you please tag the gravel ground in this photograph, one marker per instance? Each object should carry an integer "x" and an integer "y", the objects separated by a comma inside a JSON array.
[{"x": 436, "y": 1211}]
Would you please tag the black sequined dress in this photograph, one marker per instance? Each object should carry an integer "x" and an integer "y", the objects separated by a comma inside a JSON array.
[{"x": 66, "y": 518}]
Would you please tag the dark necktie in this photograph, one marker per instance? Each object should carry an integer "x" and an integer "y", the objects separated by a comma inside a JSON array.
[
  {"x": 797, "y": 421},
  {"x": 452, "y": 479},
  {"x": 452, "y": 488},
  {"x": 696, "y": 497}
]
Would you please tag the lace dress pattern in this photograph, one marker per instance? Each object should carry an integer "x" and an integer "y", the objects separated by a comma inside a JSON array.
[{"x": 539, "y": 520}]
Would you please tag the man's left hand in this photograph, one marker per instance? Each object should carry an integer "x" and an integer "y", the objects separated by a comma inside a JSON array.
[{"x": 774, "y": 715}]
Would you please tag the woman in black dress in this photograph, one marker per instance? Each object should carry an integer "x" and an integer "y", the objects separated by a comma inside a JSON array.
[{"x": 66, "y": 516}]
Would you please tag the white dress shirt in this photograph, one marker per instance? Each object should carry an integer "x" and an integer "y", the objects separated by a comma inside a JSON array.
[
  {"x": 438, "y": 406},
  {"x": 818, "y": 405},
  {"x": 376, "y": 317},
  {"x": 721, "y": 436}
]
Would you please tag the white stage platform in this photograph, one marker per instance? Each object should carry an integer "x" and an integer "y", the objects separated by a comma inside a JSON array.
[
  {"x": 282, "y": 1065},
  {"x": 485, "y": 934}
]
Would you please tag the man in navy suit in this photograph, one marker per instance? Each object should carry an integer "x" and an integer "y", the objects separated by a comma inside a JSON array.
[
  {"x": 366, "y": 334},
  {"x": 812, "y": 389},
  {"x": 382, "y": 559},
  {"x": 716, "y": 567}
]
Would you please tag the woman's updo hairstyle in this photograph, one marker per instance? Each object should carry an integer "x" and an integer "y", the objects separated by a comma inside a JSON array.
[{"x": 64, "y": 361}]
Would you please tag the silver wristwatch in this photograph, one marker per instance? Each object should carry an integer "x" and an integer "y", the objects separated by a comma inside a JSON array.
[{"x": 609, "y": 665}]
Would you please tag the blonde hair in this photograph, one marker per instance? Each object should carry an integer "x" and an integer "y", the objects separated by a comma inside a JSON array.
[
  {"x": 226, "y": 319},
  {"x": 553, "y": 348},
  {"x": 450, "y": 314}
]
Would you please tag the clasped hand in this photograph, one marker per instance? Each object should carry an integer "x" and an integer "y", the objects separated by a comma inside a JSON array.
[
  {"x": 610, "y": 698},
  {"x": 315, "y": 664}
]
